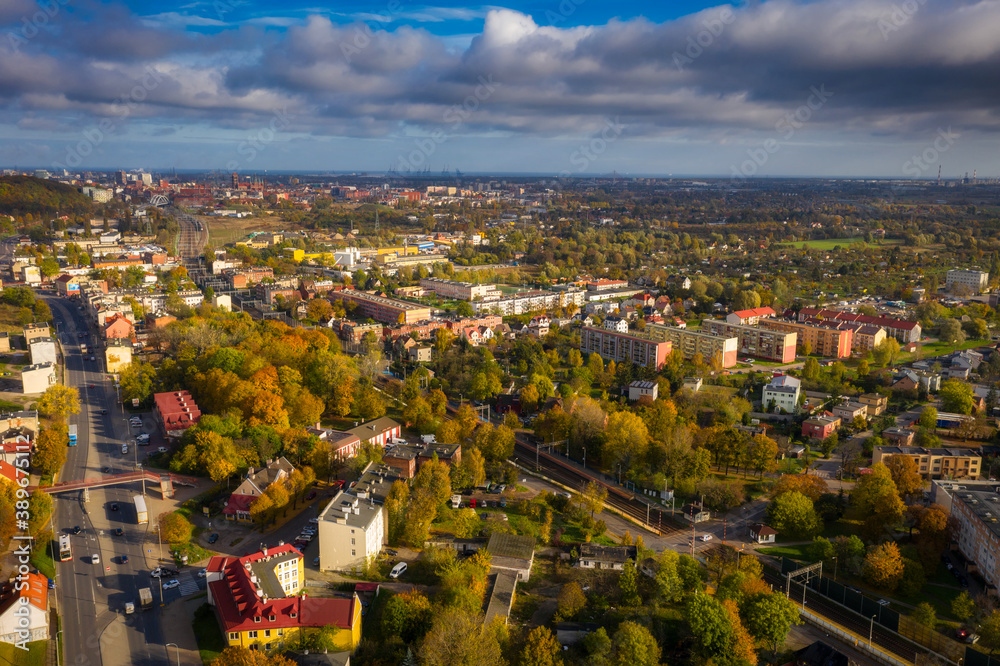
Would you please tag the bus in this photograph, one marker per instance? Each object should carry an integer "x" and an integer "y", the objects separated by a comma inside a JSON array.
[
  {"x": 141, "y": 516},
  {"x": 65, "y": 551},
  {"x": 72, "y": 434}
]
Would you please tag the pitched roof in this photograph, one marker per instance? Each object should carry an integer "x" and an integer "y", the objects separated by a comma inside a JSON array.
[{"x": 755, "y": 312}]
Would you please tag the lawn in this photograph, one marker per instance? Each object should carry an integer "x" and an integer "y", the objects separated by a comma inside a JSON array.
[
  {"x": 934, "y": 349},
  {"x": 830, "y": 243},
  {"x": 33, "y": 656},
  {"x": 223, "y": 230},
  {"x": 207, "y": 633},
  {"x": 800, "y": 552},
  {"x": 41, "y": 559}
]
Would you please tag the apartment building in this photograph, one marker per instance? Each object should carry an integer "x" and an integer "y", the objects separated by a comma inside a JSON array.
[
  {"x": 976, "y": 281},
  {"x": 35, "y": 331},
  {"x": 936, "y": 463},
  {"x": 351, "y": 533},
  {"x": 976, "y": 510},
  {"x": 521, "y": 303},
  {"x": 850, "y": 410},
  {"x": 762, "y": 343},
  {"x": 875, "y": 403},
  {"x": 385, "y": 310},
  {"x": 820, "y": 427},
  {"x": 900, "y": 329},
  {"x": 691, "y": 343},
  {"x": 639, "y": 348},
  {"x": 462, "y": 291},
  {"x": 826, "y": 340}
]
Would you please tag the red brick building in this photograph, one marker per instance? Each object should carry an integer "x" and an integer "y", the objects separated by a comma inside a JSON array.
[{"x": 175, "y": 412}]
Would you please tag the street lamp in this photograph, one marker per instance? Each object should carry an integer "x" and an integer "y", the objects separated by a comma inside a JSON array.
[
  {"x": 871, "y": 630},
  {"x": 178, "y": 652},
  {"x": 834, "y": 567},
  {"x": 58, "y": 634}
]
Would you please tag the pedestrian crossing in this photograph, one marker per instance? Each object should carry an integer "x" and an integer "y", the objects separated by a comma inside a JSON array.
[{"x": 189, "y": 584}]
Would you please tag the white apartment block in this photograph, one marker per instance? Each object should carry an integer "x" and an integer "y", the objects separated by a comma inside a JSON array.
[
  {"x": 975, "y": 280},
  {"x": 463, "y": 291},
  {"x": 351, "y": 532}
]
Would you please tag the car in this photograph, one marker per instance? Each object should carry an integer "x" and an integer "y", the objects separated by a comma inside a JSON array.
[
  {"x": 114, "y": 506},
  {"x": 314, "y": 520},
  {"x": 961, "y": 633},
  {"x": 502, "y": 487},
  {"x": 390, "y": 552},
  {"x": 305, "y": 537},
  {"x": 124, "y": 448},
  {"x": 123, "y": 559},
  {"x": 963, "y": 582},
  {"x": 106, "y": 470},
  {"x": 398, "y": 570},
  {"x": 202, "y": 573},
  {"x": 76, "y": 529},
  {"x": 311, "y": 495},
  {"x": 162, "y": 449},
  {"x": 90, "y": 386},
  {"x": 104, "y": 412},
  {"x": 316, "y": 561},
  {"x": 949, "y": 566},
  {"x": 93, "y": 358},
  {"x": 95, "y": 559},
  {"x": 748, "y": 360},
  {"x": 118, "y": 532},
  {"x": 705, "y": 537},
  {"x": 883, "y": 602},
  {"x": 171, "y": 584},
  {"x": 213, "y": 537},
  {"x": 972, "y": 639},
  {"x": 52, "y": 584}
]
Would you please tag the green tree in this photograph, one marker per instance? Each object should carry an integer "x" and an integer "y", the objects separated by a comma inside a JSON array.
[
  {"x": 628, "y": 585},
  {"x": 928, "y": 418},
  {"x": 963, "y": 607},
  {"x": 957, "y": 397},
  {"x": 925, "y": 614},
  {"x": 710, "y": 626},
  {"x": 39, "y": 511},
  {"x": 571, "y": 601},
  {"x": 793, "y": 513},
  {"x": 634, "y": 645},
  {"x": 883, "y": 566},
  {"x": 950, "y": 332},
  {"x": 593, "y": 497},
  {"x": 989, "y": 632},
  {"x": 460, "y": 637},
  {"x": 886, "y": 353},
  {"x": 768, "y": 617}
]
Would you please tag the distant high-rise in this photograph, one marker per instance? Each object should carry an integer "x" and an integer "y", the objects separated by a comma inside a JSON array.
[
  {"x": 121, "y": 178},
  {"x": 236, "y": 181}
]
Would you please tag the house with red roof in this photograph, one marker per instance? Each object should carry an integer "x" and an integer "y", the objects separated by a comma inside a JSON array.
[
  {"x": 175, "y": 411},
  {"x": 117, "y": 327},
  {"x": 253, "y": 486},
  {"x": 24, "y": 609},
  {"x": 750, "y": 317},
  {"x": 261, "y": 604}
]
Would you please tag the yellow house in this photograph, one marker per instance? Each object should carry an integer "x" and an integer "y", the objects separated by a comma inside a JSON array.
[
  {"x": 295, "y": 254},
  {"x": 260, "y": 602},
  {"x": 118, "y": 355}
]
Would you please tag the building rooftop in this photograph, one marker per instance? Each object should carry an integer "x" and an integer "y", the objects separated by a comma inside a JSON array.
[
  {"x": 347, "y": 509},
  {"x": 922, "y": 451}
]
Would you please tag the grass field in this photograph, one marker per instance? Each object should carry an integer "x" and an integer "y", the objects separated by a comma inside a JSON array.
[
  {"x": 42, "y": 560},
  {"x": 34, "y": 656},
  {"x": 830, "y": 243},
  {"x": 799, "y": 552},
  {"x": 223, "y": 230}
]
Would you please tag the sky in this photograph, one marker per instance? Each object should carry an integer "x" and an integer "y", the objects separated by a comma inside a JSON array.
[{"x": 838, "y": 88}]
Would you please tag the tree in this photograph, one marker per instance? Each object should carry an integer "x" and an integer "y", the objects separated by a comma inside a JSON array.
[
  {"x": 883, "y": 566},
  {"x": 877, "y": 501},
  {"x": 768, "y": 617},
  {"x": 627, "y": 439},
  {"x": 368, "y": 403},
  {"x": 529, "y": 399},
  {"x": 236, "y": 655},
  {"x": 50, "y": 449},
  {"x": 762, "y": 454},
  {"x": 810, "y": 369},
  {"x": 928, "y": 418},
  {"x": 571, "y": 601},
  {"x": 811, "y": 486},
  {"x": 950, "y": 332},
  {"x": 260, "y": 509},
  {"x": 541, "y": 649},
  {"x": 175, "y": 528},
  {"x": 593, "y": 497},
  {"x": 925, "y": 614},
  {"x": 460, "y": 637},
  {"x": 957, "y": 397},
  {"x": 39, "y": 511},
  {"x": 904, "y": 474},
  {"x": 989, "y": 632},
  {"x": 418, "y": 412},
  {"x": 830, "y": 442},
  {"x": 710, "y": 625},
  {"x": 628, "y": 585},
  {"x": 633, "y": 645},
  {"x": 59, "y": 401},
  {"x": 793, "y": 514},
  {"x": 886, "y": 353},
  {"x": 963, "y": 607}
]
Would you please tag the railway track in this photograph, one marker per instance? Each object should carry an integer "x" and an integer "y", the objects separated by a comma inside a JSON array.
[
  {"x": 623, "y": 501},
  {"x": 884, "y": 638}
]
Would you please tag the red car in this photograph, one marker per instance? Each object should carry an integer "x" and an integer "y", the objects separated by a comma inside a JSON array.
[
  {"x": 311, "y": 495},
  {"x": 961, "y": 633}
]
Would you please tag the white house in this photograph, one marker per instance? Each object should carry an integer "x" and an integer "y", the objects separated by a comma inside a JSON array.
[
  {"x": 617, "y": 324},
  {"x": 351, "y": 532},
  {"x": 761, "y": 533},
  {"x": 783, "y": 393},
  {"x": 639, "y": 388},
  {"x": 24, "y": 614}
]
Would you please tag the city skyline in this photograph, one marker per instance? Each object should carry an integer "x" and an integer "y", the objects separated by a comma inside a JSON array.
[{"x": 780, "y": 88}]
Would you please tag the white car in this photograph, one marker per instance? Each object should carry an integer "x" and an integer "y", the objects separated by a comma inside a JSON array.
[
  {"x": 202, "y": 573},
  {"x": 95, "y": 559},
  {"x": 705, "y": 537},
  {"x": 171, "y": 584},
  {"x": 398, "y": 570},
  {"x": 124, "y": 448},
  {"x": 162, "y": 449}
]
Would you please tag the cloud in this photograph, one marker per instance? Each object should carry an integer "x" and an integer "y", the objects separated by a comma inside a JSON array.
[{"x": 724, "y": 74}]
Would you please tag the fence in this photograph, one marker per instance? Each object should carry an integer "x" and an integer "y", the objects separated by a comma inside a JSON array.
[{"x": 874, "y": 652}]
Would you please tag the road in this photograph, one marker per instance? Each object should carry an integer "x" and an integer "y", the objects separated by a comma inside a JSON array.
[{"x": 91, "y": 596}]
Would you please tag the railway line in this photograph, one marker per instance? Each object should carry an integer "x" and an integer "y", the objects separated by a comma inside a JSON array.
[
  {"x": 886, "y": 639},
  {"x": 623, "y": 501}
]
